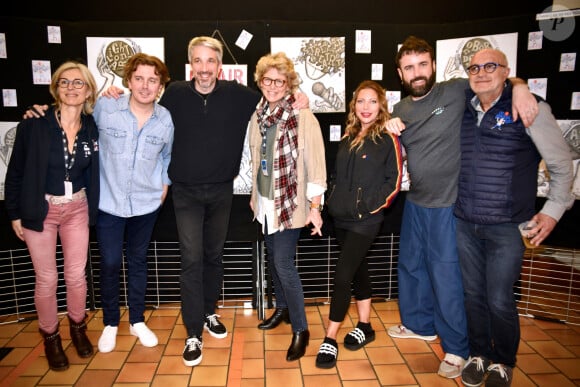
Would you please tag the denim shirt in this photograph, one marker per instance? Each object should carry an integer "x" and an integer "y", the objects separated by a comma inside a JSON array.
[{"x": 133, "y": 162}]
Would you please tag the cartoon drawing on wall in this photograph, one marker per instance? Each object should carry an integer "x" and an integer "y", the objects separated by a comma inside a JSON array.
[
  {"x": 106, "y": 57},
  {"x": 243, "y": 182},
  {"x": 320, "y": 63},
  {"x": 454, "y": 55},
  {"x": 7, "y": 137}
]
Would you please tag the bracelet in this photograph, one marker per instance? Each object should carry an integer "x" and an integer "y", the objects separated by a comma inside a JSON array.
[{"x": 316, "y": 206}]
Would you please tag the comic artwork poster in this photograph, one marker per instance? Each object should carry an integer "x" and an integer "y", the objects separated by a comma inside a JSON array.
[
  {"x": 454, "y": 55},
  {"x": 7, "y": 137},
  {"x": 320, "y": 64},
  {"x": 106, "y": 57}
]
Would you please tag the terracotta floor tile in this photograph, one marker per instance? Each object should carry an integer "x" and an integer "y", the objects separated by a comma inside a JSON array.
[
  {"x": 108, "y": 361},
  {"x": 277, "y": 359},
  {"x": 215, "y": 356},
  {"x": 384, "y": 355},
  {"x": 38, "y": 367},
  {"x": 422, "y": 362},
  {"x": 70, "y": 376},
  {"x": 174, "y": 347},
  {"x": 253, "y": 350},
  {"x": 15, "y": 357},
  {"x": 534, "y": 364},
  {"x": 25, "y": 339},
  {"x": 412, "y": 346},
  {"x": 143, "y": 354},
  {"x": 322, "y": 380},
  {"x": 170, "y": 381},
  {"x": 569, "y": 367},
  {"x": 137, "y": 373},
  {"x": 550, "y": 349},
  {"x": 565, "y": 336},
  {"x": 394, "y": 374},
  {"x": 355, "y": 369},
  {"x": 209, "y": 376},
  {"x": 548, "y": 354},
  {"x": 252, "y": 368},
  {"x": 173, "y": 365},
  {"x": 100, "y": 378},
  {"x": 283, "y": 377},
  {"x": 532, "y": 332},
  {"x": 552, "y": 380},
  {"x": 434, "y": 380},
  {"x": 520, "y": 379},
  {"x": 26, "y": 381}
]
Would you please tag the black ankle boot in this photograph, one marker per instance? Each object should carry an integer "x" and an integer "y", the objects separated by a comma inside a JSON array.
[
  {"x": 57, "y": 360},
  {"x": 298, "y": 346},
  {"x": 79, "y": 338},
  {"x": 280, "y": 314}
]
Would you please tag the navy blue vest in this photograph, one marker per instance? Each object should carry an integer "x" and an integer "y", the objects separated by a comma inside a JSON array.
[{"x": 499, "y": 166}]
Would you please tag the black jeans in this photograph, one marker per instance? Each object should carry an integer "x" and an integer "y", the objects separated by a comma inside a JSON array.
[{"x": 202, "y": 214}]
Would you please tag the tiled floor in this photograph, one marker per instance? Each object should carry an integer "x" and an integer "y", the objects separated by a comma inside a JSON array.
[{"x": 549, "y": 355}]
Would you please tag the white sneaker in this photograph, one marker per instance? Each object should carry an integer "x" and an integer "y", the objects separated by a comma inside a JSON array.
[
  {"x": 145, "y": 335},
  {"x": 401, "y": 332},
  {"x": 108, "y": 339},
  {"x": 451, "y": 366}
]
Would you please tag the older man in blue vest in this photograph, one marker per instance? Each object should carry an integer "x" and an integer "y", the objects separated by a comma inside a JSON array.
[{"x": 497, "y": 191}]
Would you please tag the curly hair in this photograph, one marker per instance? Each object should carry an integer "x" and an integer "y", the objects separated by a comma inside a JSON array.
[
  {"x": 353, "y": 124},
  {"x": 280, "y": 62}
]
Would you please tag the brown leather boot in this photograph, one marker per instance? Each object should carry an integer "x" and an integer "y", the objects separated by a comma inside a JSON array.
[
  {"x": 57, "y": 360},
  {"x": 79, "y": 338}
]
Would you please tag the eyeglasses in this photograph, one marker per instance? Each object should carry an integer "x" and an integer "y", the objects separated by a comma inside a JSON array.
[
  {"x": 489, "y": 67},
  {"x": 277, "y": 82},
  {"x": 76, "y": 83}
]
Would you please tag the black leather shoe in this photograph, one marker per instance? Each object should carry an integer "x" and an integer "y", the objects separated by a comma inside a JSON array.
[
  {"x": 79, "y": 338},
  {"x": 57, "y": 360},
  {"x": 298, "y": 346},
  {"x": 280, "y": 314}
]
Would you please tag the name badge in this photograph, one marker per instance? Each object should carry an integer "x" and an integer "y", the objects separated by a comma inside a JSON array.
[
  {"x": 264, "y": 166},
  {"x": 68, "y": 190}
]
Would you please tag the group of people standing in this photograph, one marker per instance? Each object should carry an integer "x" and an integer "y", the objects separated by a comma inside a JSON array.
[{"x": 193, "y": 139}]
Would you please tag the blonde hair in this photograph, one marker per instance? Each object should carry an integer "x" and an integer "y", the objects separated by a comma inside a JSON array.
[
  {"x": 280, "y": 62},
  {"x": 87, "y": 78},
  {"x": 206, "y": 41},
  {"x": 353, "y": 125}
]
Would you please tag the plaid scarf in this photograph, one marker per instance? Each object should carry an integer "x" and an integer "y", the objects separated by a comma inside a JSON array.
[{"x": 285, "y": 155}]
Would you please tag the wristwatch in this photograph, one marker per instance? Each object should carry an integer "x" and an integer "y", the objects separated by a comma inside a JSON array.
[{"x": 316, "y": 206}]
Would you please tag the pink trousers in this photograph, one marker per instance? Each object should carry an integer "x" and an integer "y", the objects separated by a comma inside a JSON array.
[{"x": 71, "y": 222}]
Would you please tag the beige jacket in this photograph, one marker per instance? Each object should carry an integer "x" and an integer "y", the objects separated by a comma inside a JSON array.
[{"x": 311, "y": 163}]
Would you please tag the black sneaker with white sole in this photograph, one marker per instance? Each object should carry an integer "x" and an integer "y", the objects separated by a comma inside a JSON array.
[
  {"x": 192, "y": 351},
  {"x": 214, "y": 326}
]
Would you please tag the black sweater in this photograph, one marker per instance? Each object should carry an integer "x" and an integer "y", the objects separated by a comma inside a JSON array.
[
  {"x": 209, "y": 130},
  {"x": 25, "y": 185}
]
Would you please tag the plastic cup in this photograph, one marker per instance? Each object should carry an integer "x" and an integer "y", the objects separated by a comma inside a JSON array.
[{"x": 525, "y": 230}]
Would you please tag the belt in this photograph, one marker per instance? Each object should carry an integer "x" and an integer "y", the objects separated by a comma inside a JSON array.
[{"x": 52, "y": 199}]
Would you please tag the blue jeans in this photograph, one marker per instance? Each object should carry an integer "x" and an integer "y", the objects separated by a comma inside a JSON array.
[
  {"x": 281, "y": 247},
  {"x": 430, "y": 286},
  {"x": 491, "y": 260},
  {"x": 111, "y": 232},
  {"x": 202, "y": 214}
]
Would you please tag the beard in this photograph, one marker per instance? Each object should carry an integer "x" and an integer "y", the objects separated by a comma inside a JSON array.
[{"x": 419, "y": 91}]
